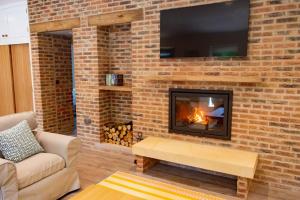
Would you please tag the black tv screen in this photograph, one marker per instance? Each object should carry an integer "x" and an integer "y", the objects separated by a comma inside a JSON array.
[{"x": 213, "y": 30}]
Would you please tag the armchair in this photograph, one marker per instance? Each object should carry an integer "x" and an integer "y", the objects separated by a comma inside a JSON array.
[{"x": 44, "y": 176}]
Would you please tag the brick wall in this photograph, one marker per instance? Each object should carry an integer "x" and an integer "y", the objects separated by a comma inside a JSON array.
[
  {"x": 266, "y": 116},
  {"x": 54, "y": 96},
  {"x": 91, "y": 62},
  {"x": 44, "y": 82}
]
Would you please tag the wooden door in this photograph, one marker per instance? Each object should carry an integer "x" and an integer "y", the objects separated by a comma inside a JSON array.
[
  {"x": 22, "y": 77},
  {"x": 7, "y": 104}
]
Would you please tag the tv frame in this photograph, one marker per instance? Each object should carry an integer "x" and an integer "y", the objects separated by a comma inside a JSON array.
[{"x": 203, "y": 57}]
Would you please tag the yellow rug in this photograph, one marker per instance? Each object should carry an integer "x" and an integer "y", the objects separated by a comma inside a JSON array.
[{"x": 136, "y": 187}]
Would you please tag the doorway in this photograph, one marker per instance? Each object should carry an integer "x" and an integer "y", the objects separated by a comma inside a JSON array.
[{"x": 56, "y": 62}]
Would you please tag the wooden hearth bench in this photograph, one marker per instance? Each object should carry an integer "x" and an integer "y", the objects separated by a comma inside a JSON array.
[{"x": 241, "y": 164}]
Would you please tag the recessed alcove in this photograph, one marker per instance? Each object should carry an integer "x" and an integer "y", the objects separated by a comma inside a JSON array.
[{"x": 115, "y": 58}]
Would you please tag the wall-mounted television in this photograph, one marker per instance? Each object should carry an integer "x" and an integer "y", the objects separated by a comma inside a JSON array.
[{"x": 210, "y": 30}]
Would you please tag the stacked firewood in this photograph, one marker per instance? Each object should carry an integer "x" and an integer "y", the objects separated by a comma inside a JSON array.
[{"x": 120, "y": 134}]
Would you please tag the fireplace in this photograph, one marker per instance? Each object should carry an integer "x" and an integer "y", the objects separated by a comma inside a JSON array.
[{"x": 200, "y": 112}]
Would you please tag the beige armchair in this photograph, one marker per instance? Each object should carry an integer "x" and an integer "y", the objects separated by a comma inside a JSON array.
[{"x": 44, "y": 176}]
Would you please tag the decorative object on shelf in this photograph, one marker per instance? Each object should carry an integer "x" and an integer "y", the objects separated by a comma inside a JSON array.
[
  {"x": 121, "y": 134},
  {"x": 108, "y": 79},
  {"x": 114, "y": 79}
]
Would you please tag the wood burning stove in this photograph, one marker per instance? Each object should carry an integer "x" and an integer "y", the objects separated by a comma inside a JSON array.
[{"x": 200, "y": 112}]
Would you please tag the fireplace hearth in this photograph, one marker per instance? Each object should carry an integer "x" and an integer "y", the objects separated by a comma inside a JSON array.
[{"x": 204, "y": 113}]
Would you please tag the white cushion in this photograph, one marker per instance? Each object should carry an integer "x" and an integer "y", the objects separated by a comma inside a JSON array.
[
  {"x": 18, "y": 142},
  {"x": 37, "y": 167}
]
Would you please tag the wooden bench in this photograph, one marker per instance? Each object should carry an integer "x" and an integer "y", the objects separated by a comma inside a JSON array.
[{"x": 241, "y": 164}]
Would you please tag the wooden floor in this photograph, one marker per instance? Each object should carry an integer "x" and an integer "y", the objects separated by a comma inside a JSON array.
[{"x": 94, "y": 166}]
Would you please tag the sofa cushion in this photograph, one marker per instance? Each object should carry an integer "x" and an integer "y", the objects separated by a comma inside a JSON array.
[
  {"x": 37, "y": 167},
  {"x": 18, "y": 142}
]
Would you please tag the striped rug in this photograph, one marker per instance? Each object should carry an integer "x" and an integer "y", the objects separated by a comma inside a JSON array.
[{"x": 145, "y": 188}]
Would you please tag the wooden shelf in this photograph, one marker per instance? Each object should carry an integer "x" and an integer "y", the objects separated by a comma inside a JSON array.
[
  {"x": 229, "y": 79},
  {"x": 116, "y": 88}
]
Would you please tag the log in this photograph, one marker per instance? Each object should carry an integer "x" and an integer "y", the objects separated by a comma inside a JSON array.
[{"x": 120, "y": 134}]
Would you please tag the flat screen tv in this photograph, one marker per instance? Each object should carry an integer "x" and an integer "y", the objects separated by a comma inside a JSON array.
[{"x": 212, "y": 30}]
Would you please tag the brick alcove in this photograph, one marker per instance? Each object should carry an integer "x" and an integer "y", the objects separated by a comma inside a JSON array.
[{"x": 116, "y": 54}]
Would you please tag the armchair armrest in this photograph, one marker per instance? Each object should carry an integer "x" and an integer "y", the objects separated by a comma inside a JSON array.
[
  {"x": 8, "y": 180},
  {"x": 67, "y": 147}
]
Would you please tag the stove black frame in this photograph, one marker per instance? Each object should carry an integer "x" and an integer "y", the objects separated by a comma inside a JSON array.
[{"x": 226, "y": 94}]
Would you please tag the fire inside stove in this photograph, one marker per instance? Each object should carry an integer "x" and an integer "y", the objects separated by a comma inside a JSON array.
[
  {"x": 205, "y": 113},
  {"x": 198, "y": 116}
]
